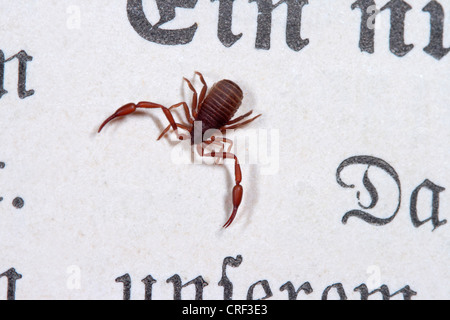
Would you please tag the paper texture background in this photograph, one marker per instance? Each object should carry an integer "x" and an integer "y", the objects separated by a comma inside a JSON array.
[{"x": 98, "y": 206}]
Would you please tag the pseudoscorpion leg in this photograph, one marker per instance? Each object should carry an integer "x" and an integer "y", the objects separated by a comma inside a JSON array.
[
  {"x": 237, "y": 189},
  {"x": 238, "y": 125},
  {"x": 194, "y": 98},
  {"x": 182, "y": 126}
]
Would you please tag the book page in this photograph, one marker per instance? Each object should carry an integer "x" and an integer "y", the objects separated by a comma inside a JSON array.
[{"x": 340, "y": 189}]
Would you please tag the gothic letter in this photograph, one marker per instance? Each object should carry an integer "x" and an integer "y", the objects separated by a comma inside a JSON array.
[
  {"x": 198, "y": 282},
  {"x": 265, "y": 286},
  {"x": 293, "y": 23},
  {"x": 367, "y": 32},
  {"x": 23, "y": 58},
  {"x": 436, "y": 46},
  {"x": 12, "y": 276},
  {"x": 148, "y": 283},
  {"x": 126, "y": 280},
  {"x": 397, "y": 34},
  {"x": 369, "y": 161},
  {"x": 292, "y": 293},
  {"x": 339, "y": 288},
  {"x": 224, "y": 281},
  {"x": 384, "y": 290},
  {"x": 166, "y": 10},
  {"x": 224, "y": 32},
  {"x": 435, "y": 190}
]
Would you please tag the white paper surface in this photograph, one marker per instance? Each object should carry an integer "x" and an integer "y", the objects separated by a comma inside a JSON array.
[{"x": 99, "y": 206}]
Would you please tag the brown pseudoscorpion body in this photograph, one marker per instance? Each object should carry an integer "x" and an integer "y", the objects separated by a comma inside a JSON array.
[{"x": 215, "y": 111}]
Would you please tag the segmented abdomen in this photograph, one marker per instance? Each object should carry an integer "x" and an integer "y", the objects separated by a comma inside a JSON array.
[{"x": 220, "y": 105}]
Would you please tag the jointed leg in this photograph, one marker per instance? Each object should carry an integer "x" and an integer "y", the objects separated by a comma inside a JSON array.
[
  {"x": 197, "y": 103},
  {"x": 194, "y": 98},
  {"x": 237, "y": 189},
  {"x": 186, "y": 111},
  {"x": 223, "y": 129},
  {"x": 205, "y": 87},
  {"x": 239, "y": 118},
  {"x": 188, "y": 116},
  {"x": 214, "y": 140},
  {"x": 182, "y": 126}
]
